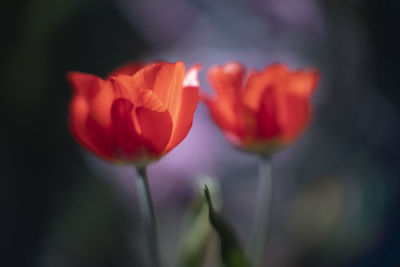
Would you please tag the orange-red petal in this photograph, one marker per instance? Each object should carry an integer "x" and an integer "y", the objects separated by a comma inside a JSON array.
[
  {"x": 155, "y": 129},
  {"x": 227, "y": 117},
  {"x": 267, "y": 115},
  {"x": 102, "y": 137},
  {"x": 168, "y": 86},
  {"x": 302, "y": 82},
  {"x": 127, "y": 87},
  {"x": 294, "y": 113},
  {"x": 79, "y": 115},
  {"x": 98, "y": 93},
  {"x": 85, "y": 84},
  {"x": 123, "y": 127},
  {"x": 272, "y": 76},
  {"x": 183, "y": 123},
  {"x": 227, "y": 109},
  {"x": 187, "y": 106},
  {"x": 227, "y": 80},
  {"x": 296, "y": 116}
]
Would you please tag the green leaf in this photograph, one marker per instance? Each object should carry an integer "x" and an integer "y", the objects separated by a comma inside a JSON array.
[
  {"x": 197, "y": 235},
  {"x": 231, "y": 251}
]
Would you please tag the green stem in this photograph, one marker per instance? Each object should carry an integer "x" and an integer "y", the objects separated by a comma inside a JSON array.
[
  {"x": 147, "y": 214},
  {"x": 262, "y": 211}
]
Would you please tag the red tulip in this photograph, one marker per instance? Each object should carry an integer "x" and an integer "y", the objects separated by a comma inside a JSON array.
[
  {"x": 137, "y": 114},
  {"x": 264, "y": 111}
]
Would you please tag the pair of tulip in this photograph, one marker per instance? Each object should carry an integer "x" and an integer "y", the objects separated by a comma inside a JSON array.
[{"x": 140, "y": 112}]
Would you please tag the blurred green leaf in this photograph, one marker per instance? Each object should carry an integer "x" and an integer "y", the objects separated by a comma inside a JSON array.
[
  {"x": 231, "y": 251},
  {"x": 198, "y": 230}
]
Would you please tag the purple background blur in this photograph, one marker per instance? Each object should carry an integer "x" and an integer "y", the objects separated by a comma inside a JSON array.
[{"x": 336, "y": 192}]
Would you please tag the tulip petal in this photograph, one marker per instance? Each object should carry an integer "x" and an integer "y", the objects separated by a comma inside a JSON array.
[
  {"x": 188, "y": 104},
  {"x": 184, "y": 122},
  {"x": 227, "y": 110},
  {"x": 302, "y": 83},
  {"x": 227, "y": 117},
  {"x": 267, "y": 123},
  {"x": 227, "y": 80},
  {"x": 166, "y": 81},
  {"x": 168, "y": 86},
  {"x": 155, "y": 129},
  {"x": 101, "y": 104},
  {"x": 294, "y": 114},
  {"x": 127, "y": 87},
  {"x": 101, "y": 137},
  {"x": 124, "y": 130},
  {"x": 85, "y": 84},
  {"x": 79, "y": 111},
  {"x": 145, "y": 77},
  {"x": 295, "y": 118},
  {"x": 273, "y": 75},
  {"x": 98, "y": 93},
  {"x": 149, "y": 100}
]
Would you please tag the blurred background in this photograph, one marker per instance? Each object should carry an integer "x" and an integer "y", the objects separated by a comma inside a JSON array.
[{"x": 336, "y": 191}]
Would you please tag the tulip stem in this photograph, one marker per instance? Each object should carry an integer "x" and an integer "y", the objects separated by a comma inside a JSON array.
[
  {"x": 147, "y": 214},
  {"x": 264, "y": 196}
]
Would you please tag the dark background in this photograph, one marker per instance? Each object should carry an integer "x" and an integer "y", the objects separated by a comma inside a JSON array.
[{"x": 337, "y": 196}]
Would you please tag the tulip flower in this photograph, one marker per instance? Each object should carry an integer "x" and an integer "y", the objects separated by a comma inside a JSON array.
[
  {"x": 260, "y": 113},
  {"x": 263, "y": 111},
  {"x": 136, "y": 114}
]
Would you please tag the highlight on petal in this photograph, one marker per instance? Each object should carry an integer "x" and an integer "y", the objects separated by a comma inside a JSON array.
[
  {"x": 191, "y": 77},
  {"x": 149, "y": 100},
  {"x": 168, "y": 86},
  {"x": 145, "y": 77}
]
